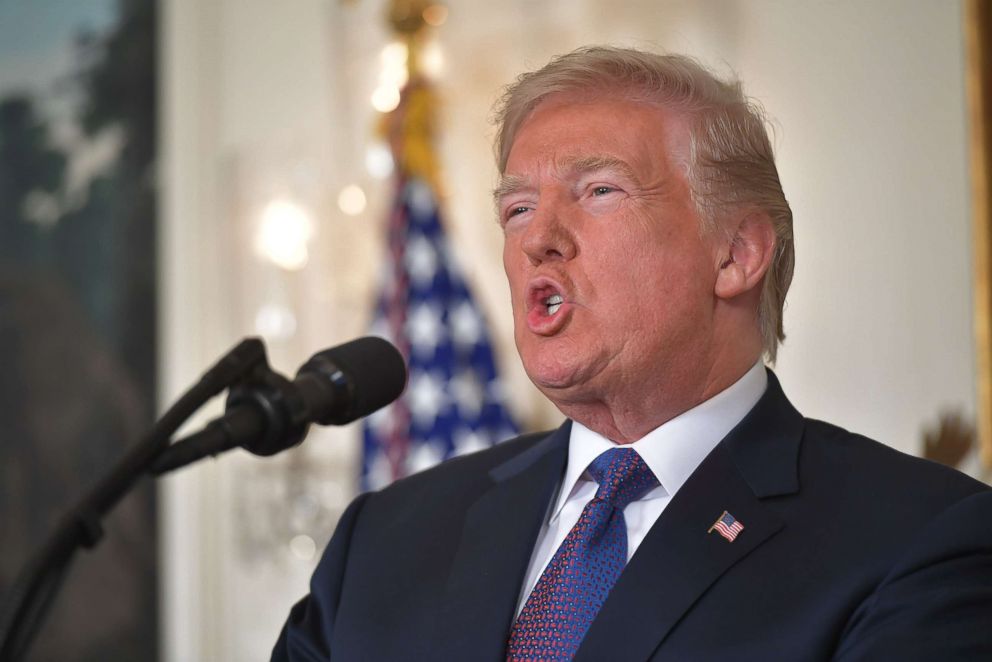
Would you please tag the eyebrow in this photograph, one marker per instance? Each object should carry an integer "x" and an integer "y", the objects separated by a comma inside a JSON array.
[
  {"x": 509, "y": 184},
  {"x": 593, "y": 163}
]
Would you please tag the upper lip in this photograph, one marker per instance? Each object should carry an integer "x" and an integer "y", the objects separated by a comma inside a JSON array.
[{"x": 540, "y": 288}]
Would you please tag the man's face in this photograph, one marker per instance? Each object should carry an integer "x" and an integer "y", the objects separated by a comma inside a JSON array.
[{"x": 611, "y": 278}]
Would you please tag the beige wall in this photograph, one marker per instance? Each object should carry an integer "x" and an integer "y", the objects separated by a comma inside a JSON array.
[{"x": 266, "y": 99}]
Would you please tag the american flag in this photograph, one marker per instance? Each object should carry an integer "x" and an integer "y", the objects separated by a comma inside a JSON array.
[
  {"x": 454, "y": 402},
  {"x": 727, "y": 526}
]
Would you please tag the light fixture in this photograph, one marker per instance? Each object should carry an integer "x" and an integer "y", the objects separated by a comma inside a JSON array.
[
  {"x": 351, "y": 200},
  {"x": 379, "y": 160},
  {"x": 386, "y": 98},
  {"x": 283, "y": 234},
  {"x": 275, "y": 322},
  {"x": 435, "y": 15},
  {"x": 432, "y": 59}
]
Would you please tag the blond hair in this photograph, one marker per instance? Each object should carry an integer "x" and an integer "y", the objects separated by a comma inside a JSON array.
[{"x": 731, "y": 164}]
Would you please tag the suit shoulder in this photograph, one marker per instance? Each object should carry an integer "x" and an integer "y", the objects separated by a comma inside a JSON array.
[
  {"x": 853, "y": 461},
  {"x": 464, "y": 472}
]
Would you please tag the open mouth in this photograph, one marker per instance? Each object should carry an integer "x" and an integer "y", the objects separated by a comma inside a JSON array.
[
  {"x": 553, "y": 303},
  {"x": 548, "y": 309},
  {"x": 545, "y": 299}
]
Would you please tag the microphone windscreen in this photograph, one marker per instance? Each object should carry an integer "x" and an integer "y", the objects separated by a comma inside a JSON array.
[{"x": 375, "y": 372}]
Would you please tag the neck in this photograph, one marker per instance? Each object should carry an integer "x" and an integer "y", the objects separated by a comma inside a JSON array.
[{"x": 625, "y": 415}]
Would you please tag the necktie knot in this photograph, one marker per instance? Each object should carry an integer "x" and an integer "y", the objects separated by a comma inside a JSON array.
[{"x": 622, "y": 476}]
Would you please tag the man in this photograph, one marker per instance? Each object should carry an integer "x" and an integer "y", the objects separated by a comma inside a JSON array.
[{"x": 685, "y": 511}]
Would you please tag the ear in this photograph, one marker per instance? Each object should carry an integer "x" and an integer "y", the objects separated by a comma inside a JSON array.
[{"x": 746, "y": 258}]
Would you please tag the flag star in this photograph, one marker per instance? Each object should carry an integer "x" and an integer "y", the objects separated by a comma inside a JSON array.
[
  {"x": 380, "y": 327},
  {"x": 466, "y": 325},
  {"x": 424, "y": 456},
  {"x": 496, "y": 390},
  {"x": 467, "y": 392},
  {"x": 469, "y": 441},
  {"x": 505, "y": 432},
  {"x": 421, "y": 260},
  {"x": 380, "y": 473},
  {"x": 420, "y": 198},
  {"x": 450, "y": 260},
  {"x": 426, "y": 396},
  {"x": 381, "y": 421},
  {"x": 424, "y": 329}
]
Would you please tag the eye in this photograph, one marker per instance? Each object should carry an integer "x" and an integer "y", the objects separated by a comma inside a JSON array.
[
  {"x": 514, "y": 211},
  {"x": 510, "y": 213},
  {"x": 602, "y": 190}
]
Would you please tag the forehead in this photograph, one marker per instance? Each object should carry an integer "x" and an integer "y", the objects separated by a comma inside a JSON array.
[{"x": 566, "y": 132}]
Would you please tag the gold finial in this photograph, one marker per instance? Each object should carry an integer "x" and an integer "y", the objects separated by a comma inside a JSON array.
[
  {"x": 410, "y": 20},
  {"x": 407, "y": 16},
  {"x": 410, "y": 129}
]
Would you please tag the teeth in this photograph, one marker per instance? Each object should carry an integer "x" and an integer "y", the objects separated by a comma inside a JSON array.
[
  {"x": 553, "y": 308},
  {"x": 553, "y": 303}
]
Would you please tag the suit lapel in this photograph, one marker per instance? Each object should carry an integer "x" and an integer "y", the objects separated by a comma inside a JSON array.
[
  {"x": 679, "y": 560},
  {"x": 494, "y": 551}
]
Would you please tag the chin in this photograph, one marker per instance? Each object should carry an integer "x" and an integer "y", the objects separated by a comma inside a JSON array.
[
  {"x": 554, "y": 364},
  {"x": 552, "y": 375}
]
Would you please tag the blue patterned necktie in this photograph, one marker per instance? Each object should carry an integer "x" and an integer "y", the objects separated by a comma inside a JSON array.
[{"x": 575, "y": 584}]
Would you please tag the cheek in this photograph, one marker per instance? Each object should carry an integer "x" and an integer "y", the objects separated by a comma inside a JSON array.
[
  {"x": 509, "y": 266},
  {"x": 654, "y": 281},
  {"x": 515, "y": 276}
]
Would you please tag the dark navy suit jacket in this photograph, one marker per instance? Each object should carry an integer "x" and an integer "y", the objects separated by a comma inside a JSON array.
[{"x": 850, "y": 551}]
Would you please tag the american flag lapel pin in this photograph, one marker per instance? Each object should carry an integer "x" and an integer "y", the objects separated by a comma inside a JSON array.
[{"x": 727, "y": 526}]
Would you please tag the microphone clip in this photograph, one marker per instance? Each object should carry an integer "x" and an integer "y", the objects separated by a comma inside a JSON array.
[{"x": 277, "y": 402}]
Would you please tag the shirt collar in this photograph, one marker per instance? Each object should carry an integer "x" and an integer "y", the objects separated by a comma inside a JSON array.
[{"x": 674, "y": 449}]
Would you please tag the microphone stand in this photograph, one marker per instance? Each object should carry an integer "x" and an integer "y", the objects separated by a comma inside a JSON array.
[{"x": 38, "y": 583}]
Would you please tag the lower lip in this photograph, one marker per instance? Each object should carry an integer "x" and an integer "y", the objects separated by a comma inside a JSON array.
[{"x": 539, "y": 322}]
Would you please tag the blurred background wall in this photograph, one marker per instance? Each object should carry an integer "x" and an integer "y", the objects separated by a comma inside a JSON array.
[{"x": 267, "y": 120}]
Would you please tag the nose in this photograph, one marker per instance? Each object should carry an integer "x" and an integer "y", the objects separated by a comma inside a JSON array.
[{"x": 548, "y": 237}]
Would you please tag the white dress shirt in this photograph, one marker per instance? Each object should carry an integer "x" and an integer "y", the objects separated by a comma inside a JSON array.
[{"x": 672, "y": 451}]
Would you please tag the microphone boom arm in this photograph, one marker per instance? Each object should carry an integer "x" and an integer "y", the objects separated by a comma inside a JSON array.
[
  {"x": 266, "y": 413},
  {"x": 37, "y": 584}
]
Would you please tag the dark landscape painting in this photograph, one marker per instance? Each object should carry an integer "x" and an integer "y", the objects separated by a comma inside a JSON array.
[{"x": 78, "y": 305}]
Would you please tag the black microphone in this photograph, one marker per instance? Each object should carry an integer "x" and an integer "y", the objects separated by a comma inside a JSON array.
[{"x": 267, "y": 413}]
